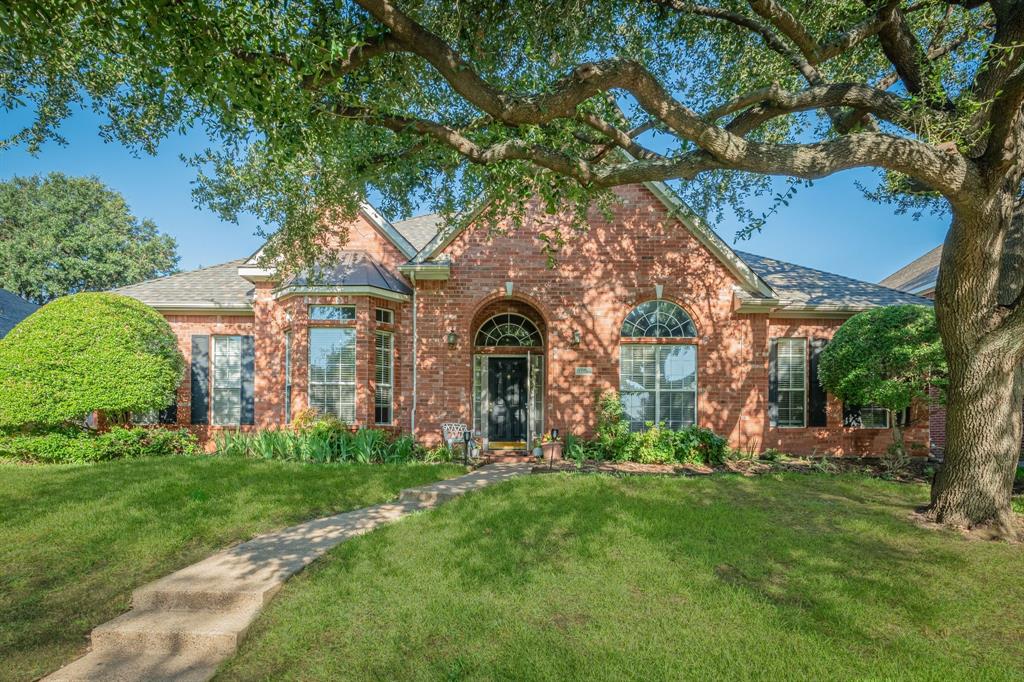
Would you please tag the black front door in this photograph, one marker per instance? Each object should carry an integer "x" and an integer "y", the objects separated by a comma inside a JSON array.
[{"x": 506, "y": 390}]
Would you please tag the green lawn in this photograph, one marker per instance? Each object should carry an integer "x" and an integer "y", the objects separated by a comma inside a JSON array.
[
  {"x": 592, "y": 577},
  {"x": 75, "y": 540}
]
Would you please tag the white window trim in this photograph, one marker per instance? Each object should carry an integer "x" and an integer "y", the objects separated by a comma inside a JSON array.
[
  {"x": 288, "y": 346},
  {"x": 657, "y": 373},
  {"x": 806, "y": 388},
  {"x": 888, "y": 419},
  {"x": 390, "y": 385},
  {"x": 355, "y": 380},
  {"x": 216, "y": 339},
  {"x": 389, "y": 314}
]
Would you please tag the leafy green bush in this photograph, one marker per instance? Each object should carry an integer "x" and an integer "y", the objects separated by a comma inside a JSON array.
[
  {"x": 325, "y": 442},
  {"x": 612, "y": 427},
  {"x": 75, "y": 446},
  {"x": 86, "y": 353}
]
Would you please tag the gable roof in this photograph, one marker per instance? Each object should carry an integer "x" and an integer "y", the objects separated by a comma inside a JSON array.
[
  {"x": 676, "y": 208},
  {"x": 218, "y": 287},
  {"x": 419, "y": 230},
  {"x": 802, "y": 288},
  {"x": 13, "y": 309},
  {"x": 918, "y": 276}
]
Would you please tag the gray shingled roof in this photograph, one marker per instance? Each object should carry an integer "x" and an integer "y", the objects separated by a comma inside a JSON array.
[
  {"x": 216, "y": 286},
  {"x": 355, "y": 268},
  {"x": 13, "y": 309},
  {"x": 795, "y": 284},
  {"x": 919, "y": 275},
  {"x": 419, "y": 230}
]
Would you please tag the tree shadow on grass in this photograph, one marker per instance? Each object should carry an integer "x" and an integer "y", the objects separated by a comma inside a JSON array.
[{"x": 817, "y": 550}]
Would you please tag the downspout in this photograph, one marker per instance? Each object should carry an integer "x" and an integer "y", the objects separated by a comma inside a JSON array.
[{"x": 415, "y": 343}]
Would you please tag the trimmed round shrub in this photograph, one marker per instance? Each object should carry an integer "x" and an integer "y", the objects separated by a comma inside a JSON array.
[{"x": 85, "y": 353}]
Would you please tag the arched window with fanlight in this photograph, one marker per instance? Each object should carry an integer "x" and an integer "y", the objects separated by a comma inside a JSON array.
[
  {"x": 508, "y": 330},
  {"x": 658, "y": 366}
]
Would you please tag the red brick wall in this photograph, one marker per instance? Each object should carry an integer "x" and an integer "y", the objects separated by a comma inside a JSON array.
[{"x": 598, "y": 278}]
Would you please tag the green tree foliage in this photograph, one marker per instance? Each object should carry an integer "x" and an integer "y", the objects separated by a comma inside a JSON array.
[
  {"x": 85, "y": 353},
  {"x": 61, "y": 235},
  {"x": 888, "y": 357}
]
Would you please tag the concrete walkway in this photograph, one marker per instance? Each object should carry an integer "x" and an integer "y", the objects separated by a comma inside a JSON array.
[{"x": 184, "y": 625}]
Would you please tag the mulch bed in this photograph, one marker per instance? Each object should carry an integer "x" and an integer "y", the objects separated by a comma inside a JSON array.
[{"x": 919, "y": 470}]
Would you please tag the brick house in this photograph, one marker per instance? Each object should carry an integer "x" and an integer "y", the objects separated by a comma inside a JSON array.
[{"x": 419, "y": 324}]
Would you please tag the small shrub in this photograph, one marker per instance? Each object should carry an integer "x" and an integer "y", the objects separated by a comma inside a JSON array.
[
  {"x": 613, "y": 434},
  {"x": 72, "y": 446}
]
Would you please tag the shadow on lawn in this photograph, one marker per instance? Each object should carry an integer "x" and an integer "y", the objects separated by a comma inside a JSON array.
[{"x": 815, "y": 549}]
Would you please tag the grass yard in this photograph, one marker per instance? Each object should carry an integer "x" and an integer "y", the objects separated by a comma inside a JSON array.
[
  {"x": 75, "y": 540},
  {"x": 590, "y": 577}
]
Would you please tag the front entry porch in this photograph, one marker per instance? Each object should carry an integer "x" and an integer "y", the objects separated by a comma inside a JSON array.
[{"x": 508, "y": 384}]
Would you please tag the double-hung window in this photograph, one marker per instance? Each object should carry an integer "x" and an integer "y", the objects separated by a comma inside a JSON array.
[
  {"x": 791, "y": 381},
  {"x": 384, "y": 397},
  {"x": 332, "y": 372},
  {"x": 658, "y": 384},
  {"x": 227, "y": 380}
]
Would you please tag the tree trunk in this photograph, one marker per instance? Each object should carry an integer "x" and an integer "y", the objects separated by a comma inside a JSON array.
[
  {"x": 986, "y": 383},
  {"x": 983, "y": 437}
]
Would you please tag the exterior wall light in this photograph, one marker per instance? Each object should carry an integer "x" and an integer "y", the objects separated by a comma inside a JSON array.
[
  {"x": 575, "y": 339},
  {"x": 453, "y": 338}
]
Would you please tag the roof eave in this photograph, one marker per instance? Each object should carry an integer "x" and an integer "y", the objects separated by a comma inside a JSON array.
[
  {"x": 187, "y": 308},
  {"x": 426, "y": 271},
  {"x": 341, "y": 290}
]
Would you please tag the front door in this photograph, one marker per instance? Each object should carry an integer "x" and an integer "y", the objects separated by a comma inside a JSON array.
[{"x": 507, "y": 394}]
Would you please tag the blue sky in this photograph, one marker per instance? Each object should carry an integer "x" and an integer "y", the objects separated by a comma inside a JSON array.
[{"x": 829, "y": 226}]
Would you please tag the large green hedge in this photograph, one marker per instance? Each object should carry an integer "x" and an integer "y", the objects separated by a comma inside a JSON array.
[{"x": 86, "y": 353}]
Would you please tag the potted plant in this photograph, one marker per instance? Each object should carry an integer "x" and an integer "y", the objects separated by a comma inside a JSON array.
[
  {"x": 538, "y": 450},
  {"x": 551, "y": 447}
]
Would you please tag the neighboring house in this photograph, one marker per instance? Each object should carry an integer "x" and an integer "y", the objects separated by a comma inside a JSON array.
[
  {"x": 419, "y": 324},
  {"x": 13, "y": 309},
  {"x": 919, "y": 276}
]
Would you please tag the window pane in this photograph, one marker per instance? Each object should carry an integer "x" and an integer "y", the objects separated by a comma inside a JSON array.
[
  {"x": 332, "y": 370},
  {"x": 384, "y": 379},
  {"x": 385, "y": 316},
  {"x": 639, "y": 408},
  {"x": 658, "y": 384},
  {"x": 791, "y": 376},
  {"x": 227, "y": 380},
  {"x": 873, "y": 417},
  {"x": 332, "y": 312},
  {"x": 658, "y": 319}
]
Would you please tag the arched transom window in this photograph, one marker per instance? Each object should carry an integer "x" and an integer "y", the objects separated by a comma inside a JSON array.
[
  {"x": 658, "y": 381},
  {"x": 508, "y": 329},
  {"x": 658, "y": 319}
]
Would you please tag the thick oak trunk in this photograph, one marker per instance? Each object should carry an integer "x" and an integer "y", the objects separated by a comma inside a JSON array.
[
  {"x": 986, "y": 383},
  {"x": 983, "y": 438}
]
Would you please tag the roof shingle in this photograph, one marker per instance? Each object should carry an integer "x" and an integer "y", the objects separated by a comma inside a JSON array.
[
  {"x": 13, "y": 309},
  {"x": 216, "y": 286},
  {"x": 918, "y": 275},
  {"x": 796, "y": 284}
]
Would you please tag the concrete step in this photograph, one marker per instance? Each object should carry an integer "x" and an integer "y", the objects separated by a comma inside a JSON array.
[
  {"x": 120, "y": 666},
  {"x": 170, "y": 631},
  {"x": 157, "y": 596}
]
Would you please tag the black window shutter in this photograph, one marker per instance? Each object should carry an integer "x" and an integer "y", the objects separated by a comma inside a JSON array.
[
  {"x": 248, "y": 372},
  {"x": 773, "y": 383},
  {"x": 851, "y": 416},
  {"x": 200, "y": 409},
  {"x": 169, "y": 415},
  {"x": 817, "y": 401}
]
